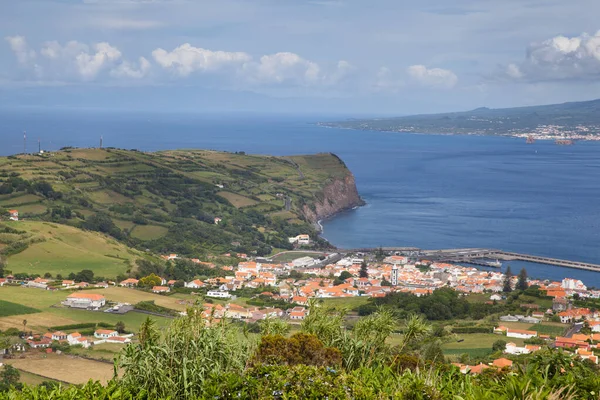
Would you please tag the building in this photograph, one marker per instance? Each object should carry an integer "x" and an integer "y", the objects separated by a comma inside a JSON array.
[
  {"x": 161, "y": 289},
  {"x": 502, "y": 363},
  {"x": 573, "y": 284},
  {"x": 300, "y": 240},
  {"x": 521, "y": 334},
  {"x": 218, "y": 294},
  {"x": 217, "y": 220},
  {"x": 105, "y": 333},
  {"x": 303, "y": 262},
  {"x": 131, "y": 282},
  {"x": 85, "y": 300},
  {"x": 13, "y": 215},
  {"x": 195, "y": 284},
  {"x": 394, "y": 276}
]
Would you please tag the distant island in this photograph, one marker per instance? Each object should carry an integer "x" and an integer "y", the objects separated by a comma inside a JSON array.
[{"x": 567, "y": 121}]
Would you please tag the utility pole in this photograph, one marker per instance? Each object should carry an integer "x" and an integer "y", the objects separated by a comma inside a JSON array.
[
  {"x": 100, "y": 141},
  {"x": 39, "y": 146},
  {"x": 24, "y": 142}
]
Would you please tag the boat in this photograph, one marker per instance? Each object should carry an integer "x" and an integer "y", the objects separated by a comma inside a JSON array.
[
  {"x": 496, "y": 264},
  {"x": 530, "y": 140},
  {"x": 564, "y": 142}
]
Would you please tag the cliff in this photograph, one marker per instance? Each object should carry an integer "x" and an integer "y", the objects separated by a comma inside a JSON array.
[{"x": 338, "y": 194}]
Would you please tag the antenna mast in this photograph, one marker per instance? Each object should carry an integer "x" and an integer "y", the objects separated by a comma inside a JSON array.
[
  {"x": 100, "y": 141},
  {"x": 24, "y": 142},
  {"x": 39, "y": 146}
]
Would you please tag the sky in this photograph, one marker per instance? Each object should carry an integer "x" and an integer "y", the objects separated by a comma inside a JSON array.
[{"x": 353, "y": 57}]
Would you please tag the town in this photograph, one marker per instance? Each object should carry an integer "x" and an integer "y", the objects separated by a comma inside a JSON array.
[{"x": 259, "y": 289}]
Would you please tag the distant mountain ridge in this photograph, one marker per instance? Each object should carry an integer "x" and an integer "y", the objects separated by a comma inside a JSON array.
[{"x": 579, "y": 120}]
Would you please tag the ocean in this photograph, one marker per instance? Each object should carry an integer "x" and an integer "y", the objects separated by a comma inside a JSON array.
[{"x": 426, "y": 191}]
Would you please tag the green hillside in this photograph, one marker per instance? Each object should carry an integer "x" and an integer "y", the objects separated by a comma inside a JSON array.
[
  {"x": 162, "y": 202},
  {"x": 42, "y": 247}
]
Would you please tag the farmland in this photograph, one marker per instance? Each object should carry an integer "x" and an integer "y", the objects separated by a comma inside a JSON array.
[
  {"x": 7, "y": 309},
  {"x": 164, "y": 201},
  {"x": 53, "y": 314},
  {"x": 64, "y": 368},
  {"x": 475, "y": 344},
  {"x": 62, "y": 249}
]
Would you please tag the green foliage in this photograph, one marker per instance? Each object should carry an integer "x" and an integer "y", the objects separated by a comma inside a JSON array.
[
  {"x": 150, "y": 281},
  {"x": 522, "y": 282},
  {"x": 442, "y": 304},
  {"x": 7, "y": 309},
  {"x": 499, "y": 345},
  {"x": 154, "y": 308},
  {"x": 507, "y": 280},
  {"x": 81, "y": 326},
  {"x": 301, "y": 348},
  {"x": 364, "y": 270}
]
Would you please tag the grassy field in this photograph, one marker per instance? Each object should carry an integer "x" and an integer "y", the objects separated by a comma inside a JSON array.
[
  {"x": 237, "y": 200},
  {"x": 348, "y": 302},
  {"x": 66, "y": 249},
  {"x": 132, "y": 296},
  {"x": 7, "y": 309},
  {"x": 52, "y": 314},
  {"x": 544, "y": 328},
  {"x": 65, "y": 368},
  {"x": 104, "y": 351},
  {"x": 32, "y": 379},
  {"x": 475, "y": 344},
  {"x": 149, "y": 232}
]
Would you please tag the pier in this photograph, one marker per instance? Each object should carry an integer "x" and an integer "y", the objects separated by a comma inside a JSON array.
[{"x": 477, "y": 256}]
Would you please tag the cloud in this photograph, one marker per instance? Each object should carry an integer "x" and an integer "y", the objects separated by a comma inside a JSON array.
[
  {"x": 186, "y": 59},
  {"x": 283, "y": 67},
  {"x": 77, "y": 61},
  {"x": 129, "y": 70},
  {"x": 385, "y": 81},
  {"x": 126, "y": 24},
  {"x": 18, "y": 45},
  {"x": 434, "y": 77},
  {"x": 89, "y": 65},
  {"x": 558, "y": 58}
]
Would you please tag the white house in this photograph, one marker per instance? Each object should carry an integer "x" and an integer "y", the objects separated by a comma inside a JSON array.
[
  {"x": 521, "y": 334},
  {"x": 13, "y": 215},
  {"x": 495, "y": 297},
  {"x": 573, "y": 284},
  {"x": 85, "y": 300},
  {"x": 218, "y": 294},
  {"x": 195, "y": 284},
  {"x": 512, "y": 348},
  {"x": 300, "y": 239},
  {"x": 75, "y": 339},
  {"x": 161, "y": 289},
  {"x": 105, "y": 333}
]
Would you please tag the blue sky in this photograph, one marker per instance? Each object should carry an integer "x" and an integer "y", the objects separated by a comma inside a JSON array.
[{"x": 327, "y": 56}]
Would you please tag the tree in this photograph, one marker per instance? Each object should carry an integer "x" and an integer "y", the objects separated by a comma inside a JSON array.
[
  {"x": 24, "y": 325},
  {"x": 507, "y": 278},
  {"x": 2, "y": 267},
  {"x": 499, "y": 345},
  {"x": 150, "y": 281},
  {"x": 85, "y": 275},
  {"x": 522, "y": 282},
  {"x": 345, "y": 275},
  {"x": 10, "y": 375},
  {"x": 364, "y": 270},
  {"x": 120, "y": 327}
]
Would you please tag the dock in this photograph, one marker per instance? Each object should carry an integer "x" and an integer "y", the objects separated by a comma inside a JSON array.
[{"x": 477, "y": 255}]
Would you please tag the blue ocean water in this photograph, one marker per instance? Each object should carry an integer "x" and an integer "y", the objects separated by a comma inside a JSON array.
[{"x": 427, "y": 191}]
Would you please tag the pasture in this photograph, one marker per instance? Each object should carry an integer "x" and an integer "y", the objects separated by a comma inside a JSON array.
[
  {"x": 53, "y": 314},
  {"x": 64, "y": 368},
  {"x": 8, "y": 308},
  {"x": 63, "y": 249}
]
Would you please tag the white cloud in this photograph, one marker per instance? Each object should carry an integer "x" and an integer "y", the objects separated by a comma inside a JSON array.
[
  {"x": 434, "y": 77},
  {"x": 89, "y": 65},
  {"x": 18, "y": 45},
  {"x": 129, "y": 70},
  {"x": 559, "y": 58},
  {"x": 186, "y": 59},
  {"x": 77, "y": 61},
  {"x": 126, "y": 23},
  {"x": 281, "y": 68},
  {"x": 385, "y": 81}
]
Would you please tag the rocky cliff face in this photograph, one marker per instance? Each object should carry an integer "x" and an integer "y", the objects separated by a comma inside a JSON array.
[{"x": 339, "y": 194}]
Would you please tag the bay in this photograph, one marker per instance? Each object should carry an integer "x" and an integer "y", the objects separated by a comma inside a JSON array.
[{"x": 426, "y": 191}]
